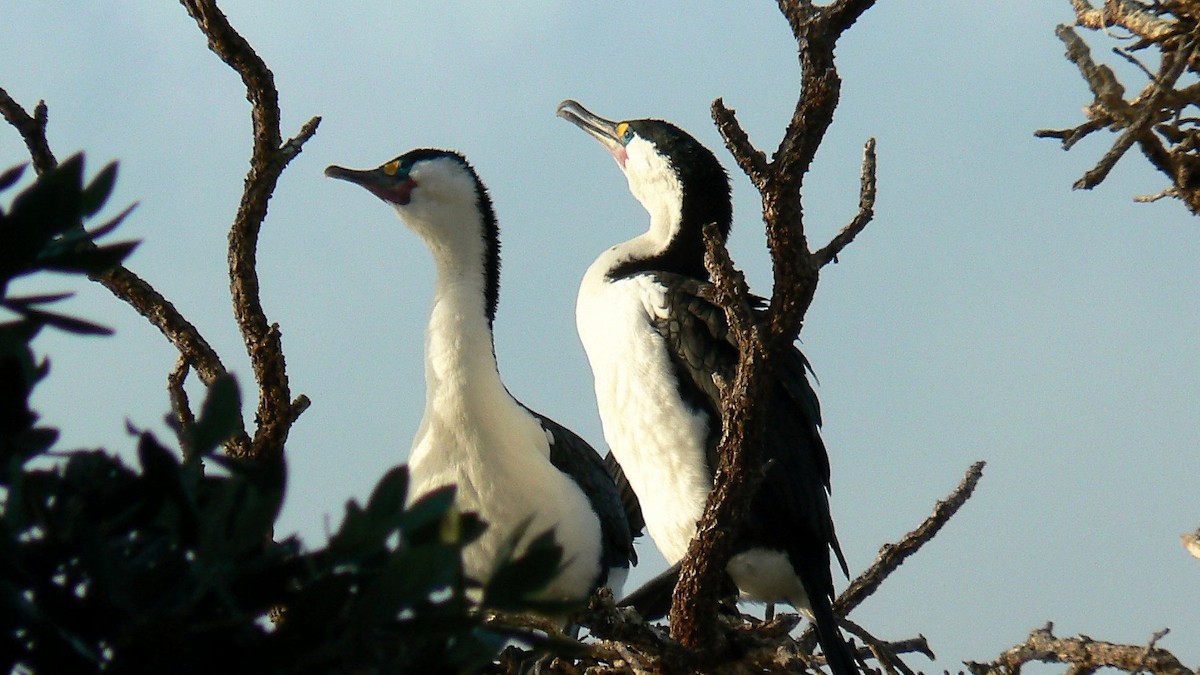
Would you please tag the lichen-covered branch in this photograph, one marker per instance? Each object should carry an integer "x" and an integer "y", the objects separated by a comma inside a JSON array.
[
  {"x": 32, "y": 129},
  {"x": 1191, "y": 543},
  {"x": 891, "y": 556},
  {"x": 738, "y": 472},
  {"x": 1084, "y": 655},
  {"x": 796, "y": 268},
  {"x": 1154, "y": 119},
  {"x": 866, "y": 210},
  {"x": 270, "y": 155}
]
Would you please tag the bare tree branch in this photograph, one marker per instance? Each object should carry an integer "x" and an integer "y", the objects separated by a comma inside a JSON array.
[
  {"x": 276, "y": 411},
  {"x": 1132, "y": 16},
  {"x": 123, "y": 283},
  {"x": 738, "y": 472},
  {"x": 1084, "y": 655},
  {"x": 625, "y": 643},
  {"x": 180, "y": 407},
  {"x": 751, "y": 160},
  {"x": 1191, "y": 543},
  {"x": 32, "y": 129},
  {"x": 1149, "y": 113},
  {"x": 796, "y": 270},
  {"x": 1153, "y": 119},
  {"x": 892, "y": 556},
  {"x": 866, "y": 210}
]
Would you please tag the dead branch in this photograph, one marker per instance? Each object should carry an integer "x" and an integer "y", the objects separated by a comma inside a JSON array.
[
  {"x": 625, "y": 643},
  {"x": 181, "y": 409},
  {"x": 796, "y": 269},
  {"x": 32, "y": 129},
  {"x": 123, "y": 283},
  {"x": 270, "y": 155},
  {"x": 1191, "y": 543},
  {"x": 1084, "y": 655},
  {"x": 738, "y": 473},
  {"x": 892, "y": 556},
  {"x": 866, "y": 210},
  {"x": 751, "y": 160},
  {"x": 1132, "y": 16},
  {"x": 1153, "y": 119}
]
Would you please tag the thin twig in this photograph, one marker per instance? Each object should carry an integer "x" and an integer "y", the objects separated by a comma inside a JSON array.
[
  {"x": 866, "y": 210},
  {"x": 180, "y": 407},
  {"x": 751, "y": 160},
  {"x": 32, "y": 129},
  {"x": 1149, "y": 114},
  {"x": 1084, "y": 655},
  {"x": 126, "y": 285},
  {"x": 276, "y": 410},
  {"x": 891, "y": 556}
]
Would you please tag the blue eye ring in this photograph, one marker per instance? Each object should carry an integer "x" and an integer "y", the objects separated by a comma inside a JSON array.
[
  {"x": 398, "y": 167},
  {"x": 624, "y": 133}
]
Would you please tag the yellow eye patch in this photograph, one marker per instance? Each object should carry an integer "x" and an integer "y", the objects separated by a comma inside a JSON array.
[
  {"x": 391, "y": 167},
  {"x": 622, "y": 128}
]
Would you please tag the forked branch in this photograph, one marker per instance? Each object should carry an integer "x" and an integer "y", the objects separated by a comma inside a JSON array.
[
  {"x": 796, "y": 270},
  {"x": 270, "y": 155},
  {"x": 123, "y": 283}
]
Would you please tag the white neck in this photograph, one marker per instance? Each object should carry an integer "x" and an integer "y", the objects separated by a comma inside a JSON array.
[
  {"x": 662, "y": 197},
  {"x": 460, "y": 364}
]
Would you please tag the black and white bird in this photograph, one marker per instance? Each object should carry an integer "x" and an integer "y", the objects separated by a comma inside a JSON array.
[
  {"x": 659, "y": 346},
  {"x": 511, "y": 465}
]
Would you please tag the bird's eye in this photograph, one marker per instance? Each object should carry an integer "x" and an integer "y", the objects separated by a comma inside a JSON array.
[{"x": 624, "y": 132}]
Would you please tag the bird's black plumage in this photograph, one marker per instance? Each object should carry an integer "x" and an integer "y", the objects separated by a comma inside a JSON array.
[
  {"x": 573, "y": 456},
  {"x": 790, "y": 513},
  {"x": 706, "y": 199}
]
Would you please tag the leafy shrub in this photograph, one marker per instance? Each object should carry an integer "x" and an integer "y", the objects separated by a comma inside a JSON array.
[{"x": 171, "y": 566}]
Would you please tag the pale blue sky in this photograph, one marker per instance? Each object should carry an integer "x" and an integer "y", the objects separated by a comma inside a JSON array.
[{"x": 989, "y": 312}]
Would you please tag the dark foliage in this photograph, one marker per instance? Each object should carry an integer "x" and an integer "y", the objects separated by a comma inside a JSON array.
[{"x": 172, "y": 568}]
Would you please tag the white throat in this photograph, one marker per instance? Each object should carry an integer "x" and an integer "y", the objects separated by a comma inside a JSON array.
[
  {"x": 460, "y": 362},
  {"x": 657, "y": 188}
]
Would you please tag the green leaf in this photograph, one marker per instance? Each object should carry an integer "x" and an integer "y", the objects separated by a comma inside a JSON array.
[
  {"x": 61, "y": 321},
  {"x": 356, "y": 537},
  {"x": 28, "y": 300},
  {"x": 10, "y": 176},
  {"x": 410, "y": 577},
  {"x": 387, "y": 499},
  {"x": 88, "y": 258},
  {"x": 97, "y": 192},
  {"x": 516, "y": 581},
  {"x": 112, "y": 223},
  {"x": 422, "y": 522},
  {"x": 219, "y": 418},
  {"x": 51, "y": 205}
]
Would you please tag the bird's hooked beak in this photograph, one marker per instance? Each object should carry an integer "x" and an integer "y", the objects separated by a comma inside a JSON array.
[
  {"x": 388, "y": 185},
  {"x": 597, "y": 127}
]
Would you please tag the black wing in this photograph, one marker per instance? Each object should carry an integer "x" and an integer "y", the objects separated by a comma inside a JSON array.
[
  {"x": 793, "y": 502},
  {"x": 573, "y": 456},
  {"x": 629, "y": 500}
]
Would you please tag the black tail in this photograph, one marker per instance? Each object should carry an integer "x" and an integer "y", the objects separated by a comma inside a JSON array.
[
  {"x": 653, "y": 599},
  {"x": 837, "y": 653}
]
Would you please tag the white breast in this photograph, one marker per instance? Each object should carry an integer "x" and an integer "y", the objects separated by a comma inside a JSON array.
[
  {"x": 503, "y": 472},
  {"x": 658, "y": 439}
]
